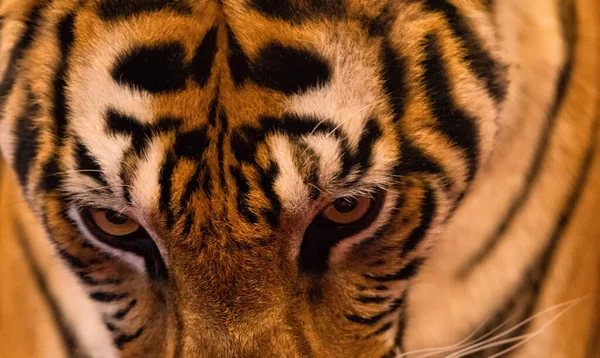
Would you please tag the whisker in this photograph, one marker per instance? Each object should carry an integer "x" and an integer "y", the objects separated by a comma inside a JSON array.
[
  {"x": 446, "y": 348},
  {"x": 493, "y": 340}
]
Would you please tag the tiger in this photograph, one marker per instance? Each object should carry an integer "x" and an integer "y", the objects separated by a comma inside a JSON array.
[{"x": 300, "y": 178}]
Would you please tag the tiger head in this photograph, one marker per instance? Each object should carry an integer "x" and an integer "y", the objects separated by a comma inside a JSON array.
[{"x": 248, "y": 178}]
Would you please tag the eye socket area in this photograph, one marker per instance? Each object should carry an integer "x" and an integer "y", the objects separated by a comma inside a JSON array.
[
  {"x": 121, "y": 232},
  {"x": 111, "y": 223}
]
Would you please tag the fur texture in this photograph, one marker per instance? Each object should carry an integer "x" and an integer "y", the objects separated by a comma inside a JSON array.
[{"x": 225, "y": 128}]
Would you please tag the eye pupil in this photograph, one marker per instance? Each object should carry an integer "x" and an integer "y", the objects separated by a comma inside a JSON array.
[
  {"x": 116, "y": 218},
  {"x": 345, "y": 205}
]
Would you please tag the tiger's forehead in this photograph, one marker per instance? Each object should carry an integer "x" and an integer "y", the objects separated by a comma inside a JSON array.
[{"x": 176, "y": 101}]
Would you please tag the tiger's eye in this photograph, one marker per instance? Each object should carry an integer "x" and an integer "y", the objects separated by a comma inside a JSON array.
[
  {"x": 113, "y": 223},
  {"x": 116, "y": 218},
  {"x": 348, "y": 210},
  {"x": 345, "y": 205}
]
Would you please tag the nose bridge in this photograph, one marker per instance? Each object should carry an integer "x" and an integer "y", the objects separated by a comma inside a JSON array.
[{"x": 233, "y": 271}]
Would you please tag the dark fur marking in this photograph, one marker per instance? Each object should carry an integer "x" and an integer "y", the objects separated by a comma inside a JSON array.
[
  {"x": 123, "y": 312},
  {"x": 51, "y": 178},
  {"x": 242, "y": 192},
  {"x": 405, "y": 273},
  {"x": 220, "y": 149},
  {"x": 202, "y": 62},
  {"x": 141, "y": 134},
  {"x": 296, "y": 11},
  {"x": 212, "y": 110},
  {"x": 452, "y": 121},
  {"x": 191, "y": 145},
  {"x": 22, "y": 45},
  {"x": 569, "y": 33},
  {"x": 156, "y": 69},
  {"x": 123, "y": 339},
  {"x": 58, "y": 317},
  {"x": 289, "y": 70},
  {"x": 90, "y": 281},
  {"x": 116, "y": 9},
  {"x": 165, "y": 188},
  {"x": 267, "y": 183},
  {"x": 370, "y": 134},
  {"x": 394, "y": 78},
  {"x": 27, "y": 134},
  {"x": 372, "y": 299},
  {"x": 238, "y": 61},
  {"x": 386, "y": 327},
  {"x": 107, "y": 296},
  {"x": 71, "y": 260},
  {"x": 478, "y": 59},
  {"x": 66, "y": 37},
  {"x": 206, "y": 181},
  {"x": 376, "y": 318},
  {"x": 413, "y": 160},
  {"x": 88, "y": 165},
  {"x": 428, "y": 210},
  {"x": 192, "y": 185}
]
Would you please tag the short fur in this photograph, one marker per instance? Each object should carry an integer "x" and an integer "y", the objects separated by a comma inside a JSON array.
[{"x": 225, "y": 127}]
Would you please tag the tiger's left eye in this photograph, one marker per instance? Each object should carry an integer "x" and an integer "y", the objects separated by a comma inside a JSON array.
[{"x": 113, "y": 223}]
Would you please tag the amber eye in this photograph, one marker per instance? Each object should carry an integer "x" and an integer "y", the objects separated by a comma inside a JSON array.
[
  {"x": 113, "y": 223},
  {"x": 348, "y": 210}
]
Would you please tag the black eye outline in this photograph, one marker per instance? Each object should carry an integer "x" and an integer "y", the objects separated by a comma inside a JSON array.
[
  {"x": 323, "y": 234},
  {"x": 139, "y": 243}
]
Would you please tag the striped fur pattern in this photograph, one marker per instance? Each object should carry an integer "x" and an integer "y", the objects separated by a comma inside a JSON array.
[{"x": 224, "y": 128}]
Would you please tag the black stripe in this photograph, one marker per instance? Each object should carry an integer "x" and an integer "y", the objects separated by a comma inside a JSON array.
[
  {"x": 243, "y": 187},
  {"x": 370, "y": 134},
  {"x": 452, "y": 121},
  {"x": 51, "y": 178},
  {"x": 394, "y": 78},
  {"x": 386, "y": 327},
  {"x": 368, "y": 321},
  {"x": 479, "y": 60},
  {"x": 239, "y": 64},
  {"x": 18, "y": 52},
  {"x": 296, "y": 12},
  {"x": 118, "y": 9},
  {"x": 122, "y": 339},
  {"x": 192, "y": 185},
  {"x": 107, "y": 296},
  {"x": 68, "y": 337},
  {"x": 122, "y": 313},
  {"x": 202, "y": 62},
  {"x": 90, "y": 281},
  {"x": 66, "y": 37},
  {"x": 538, "y": 273},
  {"x": 88, "y": 165},
  {"x": 27, "y": 134},
  {"x": 220, "y": 149},
  {"x": 413, "y": 160},
  {"x": 267, "y": 183},
  {"x": 372, "y": 299},
  {"x": 428, "y": 209},
  {"x": 569, "y": 33},
  {"x": 165, "y": 184},
  {"x": 191, "y": 145},
  {"x": 73, "y": 261},
  {"x": 141, "y": 134},
  {"x": 405, "y": 273}
]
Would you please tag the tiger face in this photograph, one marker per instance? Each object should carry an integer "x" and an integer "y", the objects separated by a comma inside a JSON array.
[{"x": 248, "y": 178}]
